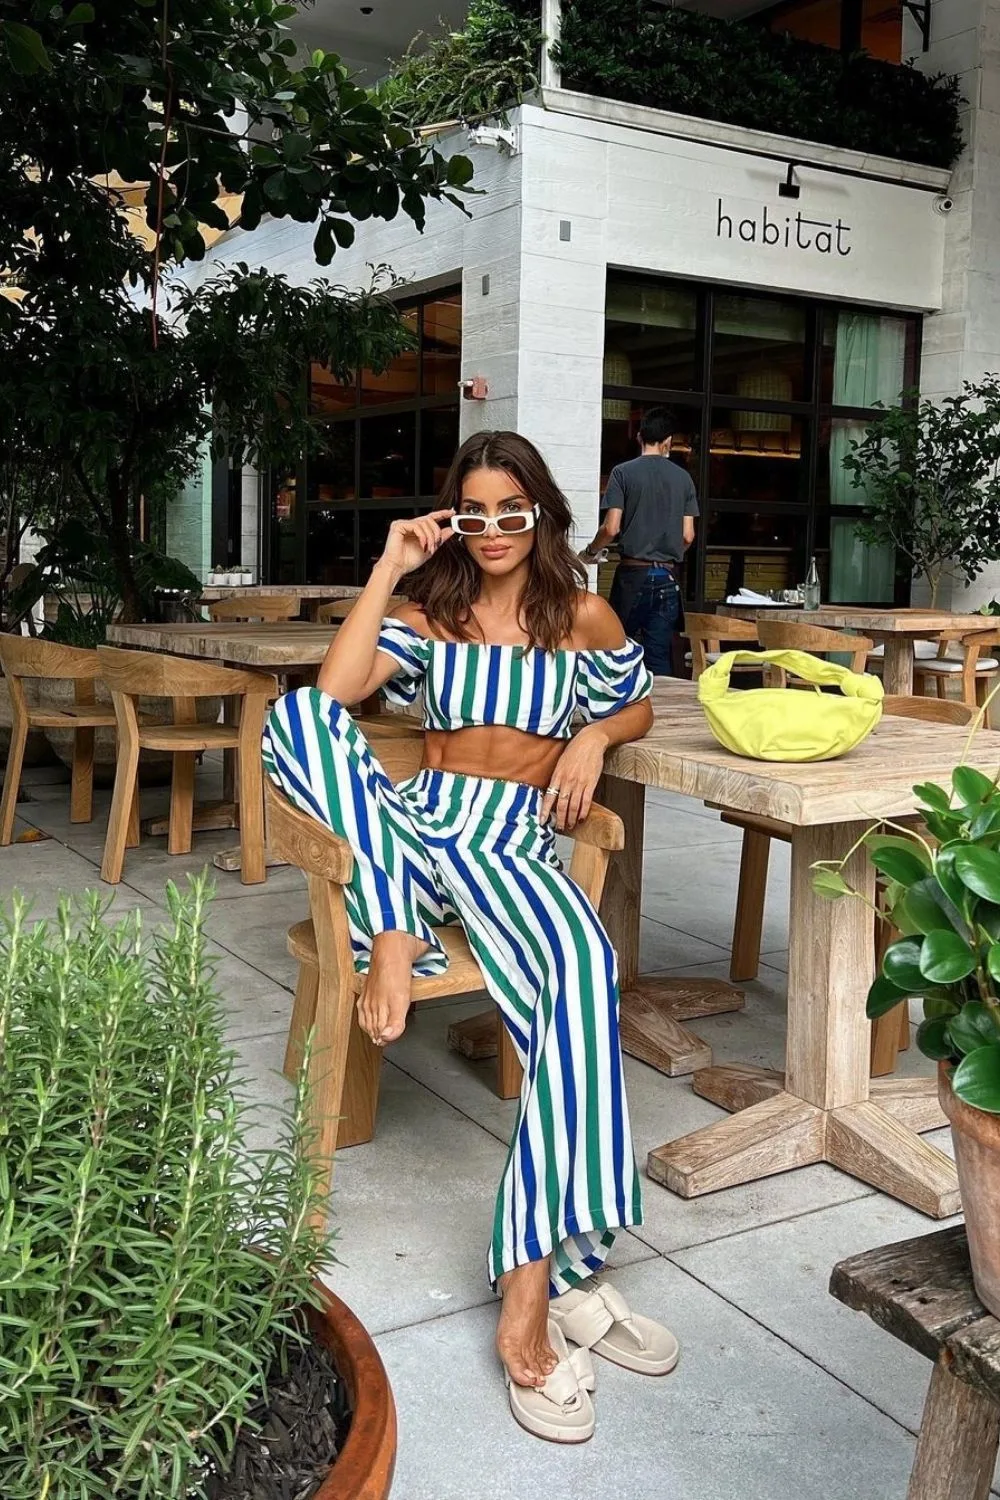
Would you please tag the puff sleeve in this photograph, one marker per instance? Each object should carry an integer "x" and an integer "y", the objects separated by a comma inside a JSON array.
[
  {"x": 410, "y": 651},
  {"x": 607, "y": 681}
]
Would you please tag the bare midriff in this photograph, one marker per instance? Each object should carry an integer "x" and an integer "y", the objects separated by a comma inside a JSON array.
[{"x": 493, "y": 750}]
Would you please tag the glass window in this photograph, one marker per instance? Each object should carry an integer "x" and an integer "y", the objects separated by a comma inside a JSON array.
[
  {"x": 757, "y": 457},
  {"x": 753, "y": 549},
  {"x": 438, "y": 442},
  {"x": 820, "y": 21},
  {"x": 852, "y": 571},
  {"x": 401, "y": 381},
  {"x": 328, "y": 395},
  {"x": 285, "y": 521},
  {"x": 759, "y": 349},
  {"x": 865, "y": 358},
  {"x": 373, "y": 528},
  {"x": 442, "y": 346},
  {"x": 331, "y": 474},
  {"x": 651, "y": 336},
  {"x": 388, "y": 456},
  {"x": 329, "y": 545},
  {"x": 834, "y": 484}
]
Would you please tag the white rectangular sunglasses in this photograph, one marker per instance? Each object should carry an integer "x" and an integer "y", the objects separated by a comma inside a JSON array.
[{"x": 509, "y": 524}]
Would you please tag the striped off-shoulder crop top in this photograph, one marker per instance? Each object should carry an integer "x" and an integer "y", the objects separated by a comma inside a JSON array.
[{"x": 467, "y": 684}]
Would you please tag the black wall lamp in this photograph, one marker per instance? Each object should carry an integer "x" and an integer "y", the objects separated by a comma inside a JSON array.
[{"x": 789, "y": 188}]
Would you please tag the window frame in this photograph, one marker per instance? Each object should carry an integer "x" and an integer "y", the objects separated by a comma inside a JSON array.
[{"x": 812, "y": 413}]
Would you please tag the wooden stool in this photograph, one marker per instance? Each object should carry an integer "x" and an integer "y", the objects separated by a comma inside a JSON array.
[
  {"x": 267, "y": 608},
  {"x": 22, "y": 657},
  {"x": 345, "y": 1063},
  {"x": 131, "y": 673},
  {"x": 921, "y": 1292}
]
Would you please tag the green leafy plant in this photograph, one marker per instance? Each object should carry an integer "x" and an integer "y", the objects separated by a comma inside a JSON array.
[
  {"x": 483, "y": 69},
  {"x": 930, "y": 473},
  {"x": 677, "y": 59},
  {"x": 942, "y": 894},
  {"x": 130, "y": 132},
  {"x": 79, "y": 570},
  {"x": 152, "y": 1265}
]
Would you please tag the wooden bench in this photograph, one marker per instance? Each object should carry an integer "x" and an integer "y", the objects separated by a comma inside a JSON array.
[{"x": 921, "y": 1292}]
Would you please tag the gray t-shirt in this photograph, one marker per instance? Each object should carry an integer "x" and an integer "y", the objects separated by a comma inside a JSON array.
[{"x": 654, "y": 495}]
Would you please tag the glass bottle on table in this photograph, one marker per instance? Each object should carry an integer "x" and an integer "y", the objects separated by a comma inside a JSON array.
[{"x": 810, "y": 589}]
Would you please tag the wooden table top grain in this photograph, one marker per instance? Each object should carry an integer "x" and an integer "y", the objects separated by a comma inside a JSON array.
[
  {"x": 875, "y": 780},
  {"x": 280, "y": 647},
  {"x": 916, "y": 623}
]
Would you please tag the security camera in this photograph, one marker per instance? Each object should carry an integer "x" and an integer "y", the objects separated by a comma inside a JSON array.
[{"x": 944, "y": 205}]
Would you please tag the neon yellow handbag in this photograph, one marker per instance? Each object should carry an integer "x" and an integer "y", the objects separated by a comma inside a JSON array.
[{"x": 782, "y": 724}]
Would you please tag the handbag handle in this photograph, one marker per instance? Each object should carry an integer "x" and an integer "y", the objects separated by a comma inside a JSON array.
[{"x": 714, "y": 681}]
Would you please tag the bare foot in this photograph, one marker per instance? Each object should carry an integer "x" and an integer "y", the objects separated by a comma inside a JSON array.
[
  {"x": 385, "y": 1000},
  {"x": 523, "y": 1332}
]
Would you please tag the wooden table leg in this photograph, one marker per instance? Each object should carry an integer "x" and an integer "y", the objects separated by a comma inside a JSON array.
[
  {"x": 897, "y": 667},
  {"x": 652, "y": 1006},
  {"x": 957, "y": 1447},
  {"x": 821, "y": 1109}
]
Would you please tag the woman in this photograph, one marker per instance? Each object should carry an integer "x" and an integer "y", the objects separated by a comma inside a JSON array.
[{"x": 507, "y": 646}]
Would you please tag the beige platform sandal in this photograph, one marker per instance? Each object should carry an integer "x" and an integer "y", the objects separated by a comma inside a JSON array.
[
  {"x": 601, "y": 1320},
  {"x": 561, "y": 1410}
]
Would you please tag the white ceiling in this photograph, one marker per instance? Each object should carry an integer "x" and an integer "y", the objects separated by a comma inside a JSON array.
[{"x": 368, "y": 43}]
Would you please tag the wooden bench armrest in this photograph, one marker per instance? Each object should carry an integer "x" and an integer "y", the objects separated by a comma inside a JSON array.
[
  {"x": 602, "y": 828},
  {"x": 303, "y": 841}
]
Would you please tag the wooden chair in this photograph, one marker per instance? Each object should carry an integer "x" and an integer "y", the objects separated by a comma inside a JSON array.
[
  {"x": 267, "y": 608},
  {"x": 24, "y": 657},
  {"x": 131, "y": 673},
  {"x": 345, "y": 1063},
  {"x": 891, "y": 1032},
  {"x": 786, "y": 635},
  {"x": 339, "y": 609},
  {"x": 964, "y": 660},
  {"x": 707, "y": 633}
]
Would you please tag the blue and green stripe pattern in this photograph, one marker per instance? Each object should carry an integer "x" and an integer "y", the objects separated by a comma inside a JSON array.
[
  {"x": 518, "y": 687},
  {"x": 442, "y": 848}
]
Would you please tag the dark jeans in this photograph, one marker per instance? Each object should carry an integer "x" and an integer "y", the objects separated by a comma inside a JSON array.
[{"x": 648, "y": 603}]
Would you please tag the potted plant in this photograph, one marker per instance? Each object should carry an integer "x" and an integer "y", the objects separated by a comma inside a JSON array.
[
  {"x": 162, "y": 1327},
  {"x": 930, "y": 481},
  {"x": 942, "y": 896}
]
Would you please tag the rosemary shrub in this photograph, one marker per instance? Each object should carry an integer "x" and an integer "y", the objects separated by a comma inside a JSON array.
[{"x": 151, "y": 1262}]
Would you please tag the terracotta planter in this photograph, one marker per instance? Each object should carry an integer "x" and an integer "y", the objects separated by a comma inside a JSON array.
[
  {"x": 977, "y": 1155},
  {"x": 365, "y": 1466}
]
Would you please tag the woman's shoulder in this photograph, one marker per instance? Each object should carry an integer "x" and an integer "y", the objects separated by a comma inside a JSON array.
[
  {"x": 597, "y": 627},
  {"x": 410, "y": 615}
]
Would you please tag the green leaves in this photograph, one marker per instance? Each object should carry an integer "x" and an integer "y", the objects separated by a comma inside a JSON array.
[
  {"x": 978, "y": 868},
  {"x": 902, "y": 859},
  {"x": 25, "y": 49},
  {"x": 971, "y": 785},
  {"x": 945, "y": 958},
  {"x": 901, "y": 965},
  {"x": 976, "y": 1080},
  {"x": 883, "y": 997},
  {"x": 138, "y": 1304},
  {"x": 972, "y": 1027}
]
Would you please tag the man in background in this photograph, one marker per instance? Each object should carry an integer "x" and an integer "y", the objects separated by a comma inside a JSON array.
[{"x": 650, "y": 506}]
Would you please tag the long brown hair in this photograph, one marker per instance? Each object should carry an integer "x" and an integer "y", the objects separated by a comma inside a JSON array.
[{"x": 448, "y": 584}]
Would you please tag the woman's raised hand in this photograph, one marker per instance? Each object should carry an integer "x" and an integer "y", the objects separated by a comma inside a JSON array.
[{"x": 413, "y": 540}]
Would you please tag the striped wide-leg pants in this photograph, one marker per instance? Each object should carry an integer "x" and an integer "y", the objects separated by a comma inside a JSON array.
[{"x": 443, "y": 848}]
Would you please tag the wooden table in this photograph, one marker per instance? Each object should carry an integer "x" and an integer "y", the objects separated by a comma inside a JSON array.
[
  {"x": 897, "y": 628},
  {"x": 921, "y": 1292},
  {"x": 824, "y": 1107},
  {"x": 286, "y": 646},
  {"x": 312, "y": 594},
  {"x": 290, "y": 647}
]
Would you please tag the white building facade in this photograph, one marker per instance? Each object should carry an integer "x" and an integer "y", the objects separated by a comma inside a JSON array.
[{"x": 771, "y": 292}]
